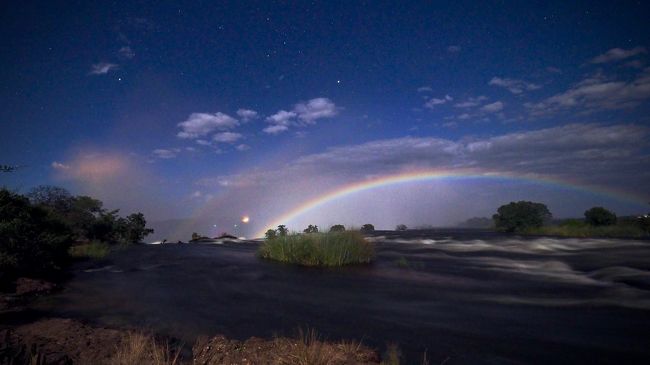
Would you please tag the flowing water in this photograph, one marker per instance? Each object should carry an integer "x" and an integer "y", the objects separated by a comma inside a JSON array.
[{"x": 465, "y": 297}]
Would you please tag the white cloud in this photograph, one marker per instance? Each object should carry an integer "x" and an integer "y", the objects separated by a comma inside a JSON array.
[
  {"x": 227, "y": 137},
  {"x": 513, "y": 85},
  {"x": 276, "y": 129},
  {"x": 617, "y": 54},
  {"x": 102, "y": 68},
  {"x": 165, "y": 153},
  {"x": 201, "y": 124},
  {"x": 314, "y": 109},
  {"x": 243, "y": 147},
  {"x": 433, "y": 102},
  {"x": 425, "y": 89},
  {"x": 493, "y": 107},
  {"x": 59, "y": 166},
  {"x": 203, "y": 142},
  {"x": 454, "y": 49},
  {"x": 247, "y": 114}
]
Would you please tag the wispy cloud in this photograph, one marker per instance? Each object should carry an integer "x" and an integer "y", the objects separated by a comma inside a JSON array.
[
  {"x": 513, "y": 85},
  {"x": 247, "y": 115},
  {"x": 276, "y": 129},
  {"x": 165, "y": 154},
  {"x": 305, "y": 113},
  {"x": 454, "y": 49},
  {"x": 493, "y": 107},
  {"x": 425, "y": 89},
  {"x": 102, "y": 68},
  {"x": 597, "y": 92},
  {"x": 433, "y": 102},
  {"x": 126, "y": 52},
  {"x": 471, "y": 102},
  {"x": 227, "y": 137},
  {"x": 202, "y": 124},
  {"x": 617, "y": 54},
  {"x": 59, "y": 166}
]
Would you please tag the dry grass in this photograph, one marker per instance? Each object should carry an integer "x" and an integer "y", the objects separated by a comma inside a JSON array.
[{"x": 138, "y": 348}]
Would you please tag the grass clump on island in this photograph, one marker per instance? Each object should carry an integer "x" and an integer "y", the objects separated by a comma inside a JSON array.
[{"x": 318, "y": 249}]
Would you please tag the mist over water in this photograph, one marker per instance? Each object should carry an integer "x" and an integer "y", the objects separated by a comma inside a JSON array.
[{"x": 476, "y": 297}]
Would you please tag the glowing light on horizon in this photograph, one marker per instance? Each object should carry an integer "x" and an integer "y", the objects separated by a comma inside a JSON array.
[{"x": 245, "y": 219}]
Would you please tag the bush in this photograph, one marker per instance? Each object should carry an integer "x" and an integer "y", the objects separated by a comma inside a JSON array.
[
  {"x": 367, "y": 228},
  {"x": 319, "y": 249},
  {"x": 337, "y": 228},
  {"x": 33, "y": 242},
  {"x": 401, "y": 227},
  {"x": 520, "y": 216},
  {"x": 599, "y": 216}
]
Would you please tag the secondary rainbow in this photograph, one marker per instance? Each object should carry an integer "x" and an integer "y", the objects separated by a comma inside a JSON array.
[{"x": 434, "y": 175}]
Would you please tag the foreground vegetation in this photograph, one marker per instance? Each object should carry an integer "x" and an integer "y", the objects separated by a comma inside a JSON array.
[
  {"x": 41, "y": 231},
  {"x": 335, "y": 248}
]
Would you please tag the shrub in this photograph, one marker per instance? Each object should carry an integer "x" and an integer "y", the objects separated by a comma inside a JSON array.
[
  {"x": 520, "y": 216},
  {"x": 92, "y": 250},
  {"x": 401, "y": 227},
  {"x": 319, "y": 249},
  {"x": 367, "y": 228},
  {"x": 337, "y": 228},
  {"x": 32, "y": 241},
  {"x": 599, "y": 216}
]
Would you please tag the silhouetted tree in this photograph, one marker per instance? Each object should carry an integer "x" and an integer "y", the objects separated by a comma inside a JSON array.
[
  {"x": 367, "y": 228},
  {"x": 521, "y": 215},
  {"x": 311, "y": 229},
  {"x": 337, "y": 228},
  {"x": 270, "y": 234},
  {"x": 401, "y": 227},
  {"x": 282, "y": 230},
  {"x": 599, "y": 216}
]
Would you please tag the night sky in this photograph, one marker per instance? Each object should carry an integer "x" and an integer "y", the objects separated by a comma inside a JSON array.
[{"x": 209, "y": 111}]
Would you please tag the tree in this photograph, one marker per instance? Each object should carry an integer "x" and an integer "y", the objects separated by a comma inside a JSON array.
[
  {"x": 311, "y": 229},
  {"x": 521, "y": 215},
  {"x": 32, "y": 240},
  {"x": 337, "y": 228},
  {"x": 599, "y": 216},
  {"x": 133, "y": 228},
  {"x": 195, "y": 236},
  {"x": 270, "y": 234},
  {"x": 401, "y": 227},
  {"x": 367, "y": 228},
  {"x": 282, "y": 230},
  {"x": 52, "y": 197}
]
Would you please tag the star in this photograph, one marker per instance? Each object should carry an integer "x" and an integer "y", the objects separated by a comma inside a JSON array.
[{"x": 338, "y": 81}]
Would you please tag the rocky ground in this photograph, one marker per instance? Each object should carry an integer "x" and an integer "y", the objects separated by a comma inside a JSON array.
[{"x": 66, "y": 341}]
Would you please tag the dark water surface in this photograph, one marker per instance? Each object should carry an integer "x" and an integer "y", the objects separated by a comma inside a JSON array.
[{"x": 465, "y": 297}]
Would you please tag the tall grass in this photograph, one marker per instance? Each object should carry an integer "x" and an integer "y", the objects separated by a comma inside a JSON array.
[
  {"x": 139, "y": 348},
  {"x": 319, "y": 249}
]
